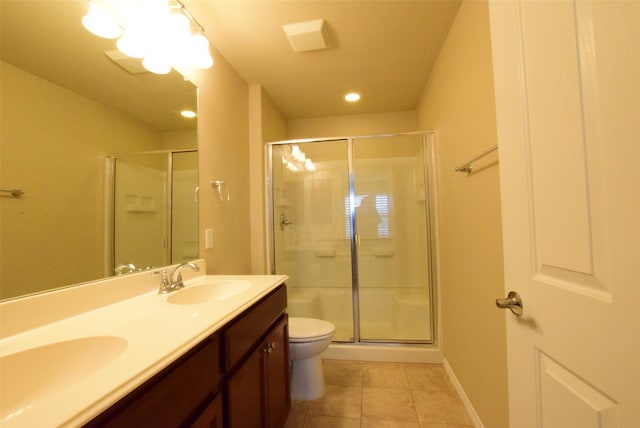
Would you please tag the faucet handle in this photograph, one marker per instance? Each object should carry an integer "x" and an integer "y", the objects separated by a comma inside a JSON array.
[
  {"x": 178, "y": 284},
  {"x": 164, "y": 281}
]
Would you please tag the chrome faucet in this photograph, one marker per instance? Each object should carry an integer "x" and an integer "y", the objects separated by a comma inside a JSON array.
[
  {"x": 165, "y": 286},
  {"x": 176, "y": 275},
  {"x": 123, "y": 268},
  {"x": 167, "y": 281}
]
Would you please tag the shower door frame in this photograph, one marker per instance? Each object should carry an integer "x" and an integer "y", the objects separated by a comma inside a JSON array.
[
  {"x": 110, "y": 206},
  {"x": 428, "y": 141}
]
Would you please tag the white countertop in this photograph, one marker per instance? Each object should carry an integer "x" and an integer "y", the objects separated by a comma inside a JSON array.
[{"x": 156, "y": 332}]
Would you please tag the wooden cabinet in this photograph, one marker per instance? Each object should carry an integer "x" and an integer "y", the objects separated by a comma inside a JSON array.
[
  {"x": 276, "y": 375},
  {"x": 245, "y": 398},
  {"x": 172, "y": 398},
  {"x": 236, "y": 378},
  {"x": 258, "y": 391},
  {"x": 211, "y": 416}
]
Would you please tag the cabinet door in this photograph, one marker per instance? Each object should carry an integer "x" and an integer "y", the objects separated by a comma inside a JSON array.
[
  {"x": 211, "y": 416},
  {"x": 244, "y": 393},
  {"x": 258, "y": 392},
  {"x": 276, "y": 371}
]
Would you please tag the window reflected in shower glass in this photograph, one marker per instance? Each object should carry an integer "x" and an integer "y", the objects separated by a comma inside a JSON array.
[{"x": 373, "y": 218}]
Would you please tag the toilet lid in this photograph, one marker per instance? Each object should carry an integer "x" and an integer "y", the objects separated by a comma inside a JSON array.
[{"x": 309, "y": 328}]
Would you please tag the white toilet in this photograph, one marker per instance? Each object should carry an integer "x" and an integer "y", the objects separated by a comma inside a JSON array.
[{"x": 308, "y": 338}]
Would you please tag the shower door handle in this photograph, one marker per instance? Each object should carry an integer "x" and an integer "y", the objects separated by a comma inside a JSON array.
[
  {"x": 513, "y": 302},
  {"x": 283, "y": 222}
]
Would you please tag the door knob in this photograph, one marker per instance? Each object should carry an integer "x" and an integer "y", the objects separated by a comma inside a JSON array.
[{"x": 512, "y": 302}]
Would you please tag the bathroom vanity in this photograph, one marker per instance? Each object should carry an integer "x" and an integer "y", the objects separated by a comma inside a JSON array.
[
  {"x": 214, "y": 356},
  {"x": 238, "y": 374}
]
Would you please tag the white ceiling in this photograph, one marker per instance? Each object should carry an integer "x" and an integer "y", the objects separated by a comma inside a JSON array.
[
  {"x": 384, "y": 50},
  {"x": 47, "y": 39}
]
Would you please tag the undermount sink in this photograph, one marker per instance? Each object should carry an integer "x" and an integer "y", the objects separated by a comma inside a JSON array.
[
  {"x": 208, "y": 292},
  {"x": 37, "y": 372}
]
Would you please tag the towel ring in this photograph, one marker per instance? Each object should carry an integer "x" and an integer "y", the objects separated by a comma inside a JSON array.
[{"x": 222, "y": 189}]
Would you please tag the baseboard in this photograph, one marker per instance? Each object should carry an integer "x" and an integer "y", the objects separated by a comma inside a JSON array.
[
  {"x": 465, "y": 400},
  {"x": 382, "y": 352}
]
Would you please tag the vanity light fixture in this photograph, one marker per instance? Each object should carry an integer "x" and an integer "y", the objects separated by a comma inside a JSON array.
[
  {"x": 188, "y": 114},
  {"x": 158, "y": 32},
  {"x": 294, "y": 159},
  {"x": 352, "y": 97},
  {"x": 100, "y": 23}
]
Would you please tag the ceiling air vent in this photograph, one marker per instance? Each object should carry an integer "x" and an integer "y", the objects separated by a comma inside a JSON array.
[{"x": 307, "y": 36}]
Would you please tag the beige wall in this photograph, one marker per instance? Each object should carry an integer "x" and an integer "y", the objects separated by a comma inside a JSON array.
[
  {"x": 60, "y": 165},
  {"x": 353, "y": 125},
  {"x": 267, "y": 123},
  {"x": 458, "y": 104},
  {"x": 179, "y": 140},
  {"x": 223, "y": 144},
  {"x": 274, "y": 124}
]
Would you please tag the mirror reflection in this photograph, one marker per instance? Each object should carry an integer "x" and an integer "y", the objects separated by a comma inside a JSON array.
[
  {"x": 73, "y": 113},
  {"x": 153, "y": 199}
]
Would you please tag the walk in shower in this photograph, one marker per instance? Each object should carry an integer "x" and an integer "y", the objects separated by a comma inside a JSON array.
[
  {"x": 153, "y": 209},
  {"x": 351, "y": 221}
]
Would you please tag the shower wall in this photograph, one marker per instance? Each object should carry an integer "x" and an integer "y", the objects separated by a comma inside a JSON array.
[{"x": 319, "y": 233}]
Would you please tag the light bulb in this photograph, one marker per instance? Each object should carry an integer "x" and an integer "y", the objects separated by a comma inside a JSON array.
[
  {"x": 309, "y": 166},
  {"x": 100, "y": 23},
  {"x": 199, "y": 51},
  {"x": 156, "y": 65},
  {"x": 179, "y": 26},
  {"x": 133, "y": 44}
]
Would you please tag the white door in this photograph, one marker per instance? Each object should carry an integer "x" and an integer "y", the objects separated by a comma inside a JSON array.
[{"x": 567, "y": 79}]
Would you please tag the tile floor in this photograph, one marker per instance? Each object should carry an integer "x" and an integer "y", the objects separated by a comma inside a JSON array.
[{"x": 382, "y": 395}]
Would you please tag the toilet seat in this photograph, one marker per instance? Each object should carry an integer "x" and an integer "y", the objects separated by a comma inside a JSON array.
[{"x": 309, "y": 330}]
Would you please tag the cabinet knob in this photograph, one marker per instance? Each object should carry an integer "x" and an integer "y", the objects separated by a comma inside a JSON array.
[{"x": 270, "y": 347}]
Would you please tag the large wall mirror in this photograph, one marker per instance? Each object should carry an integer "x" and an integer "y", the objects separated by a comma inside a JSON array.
[{"x": 77, "y": 121}]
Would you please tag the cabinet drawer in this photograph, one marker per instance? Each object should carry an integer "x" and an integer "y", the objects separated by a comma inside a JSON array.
[
  {"x": 172, "y": 396},
  {"x": 243, "y": 334}
]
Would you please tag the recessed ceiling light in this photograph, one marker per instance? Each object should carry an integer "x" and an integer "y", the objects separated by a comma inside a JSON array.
[
  {"x": 352, "y": 97},
  {"x": 188, "y": 113}
]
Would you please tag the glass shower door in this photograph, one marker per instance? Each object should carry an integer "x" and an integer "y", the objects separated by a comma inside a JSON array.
[
  {"x": 184, "y": 206},
  {"x": 391, "y": 221},
  {"x": 140, "y": 210},
  {"x": 312, "y": 231},
  {"x": 351, "y": 230}
]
